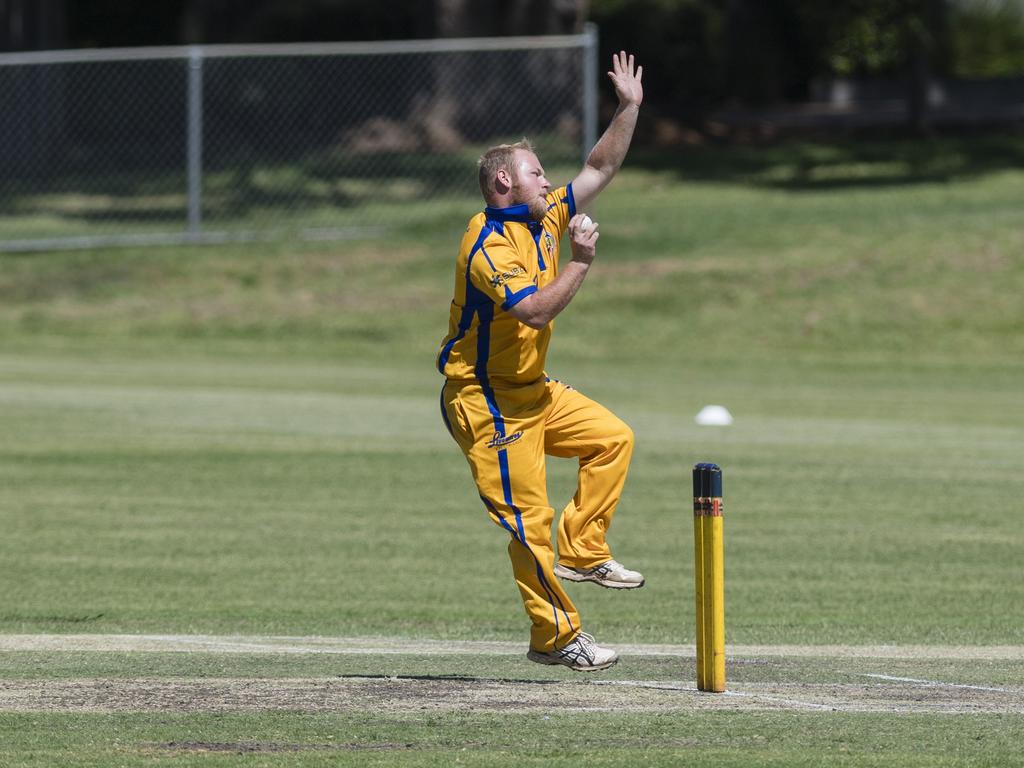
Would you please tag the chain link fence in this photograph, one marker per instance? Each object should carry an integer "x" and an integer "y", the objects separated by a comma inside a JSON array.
[{"x": 218, "y": 143}]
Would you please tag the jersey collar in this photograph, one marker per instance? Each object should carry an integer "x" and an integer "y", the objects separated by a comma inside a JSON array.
[{"x": 520, "y": 213}]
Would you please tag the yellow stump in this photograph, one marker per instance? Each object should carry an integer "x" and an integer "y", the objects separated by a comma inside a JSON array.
[{"x": 709, "y": 577}]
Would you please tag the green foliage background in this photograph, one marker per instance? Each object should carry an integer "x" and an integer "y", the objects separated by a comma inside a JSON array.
[{"x": 710, "y": 51}]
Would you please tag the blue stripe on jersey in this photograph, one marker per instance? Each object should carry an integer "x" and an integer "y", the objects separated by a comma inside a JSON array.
[
  {"x": 570, "y": 200},
  {"x": 489, "y": 262},
  {"x": 466, "y": 318},
  {"x": 485, "y": 313},
  {"x": 537, "y": 232},
  {"x": 511, "y": 299}
]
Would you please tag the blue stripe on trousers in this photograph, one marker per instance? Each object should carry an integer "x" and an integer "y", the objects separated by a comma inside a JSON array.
[{"x": 444, "y": 413}]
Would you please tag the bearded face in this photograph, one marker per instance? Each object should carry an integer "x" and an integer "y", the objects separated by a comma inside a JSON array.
[
  {"x": 535, "y": 203},
  {"x": 529, "y": 185}
]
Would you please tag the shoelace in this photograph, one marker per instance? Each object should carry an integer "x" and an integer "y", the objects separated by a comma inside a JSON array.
[{"x": 581, "y": 647}]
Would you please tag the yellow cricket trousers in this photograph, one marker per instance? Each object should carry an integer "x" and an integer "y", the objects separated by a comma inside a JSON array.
[{"x": 505, "y": 434}]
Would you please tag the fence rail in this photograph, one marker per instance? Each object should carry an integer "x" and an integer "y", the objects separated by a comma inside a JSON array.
[{"x": 321, "y": 140}]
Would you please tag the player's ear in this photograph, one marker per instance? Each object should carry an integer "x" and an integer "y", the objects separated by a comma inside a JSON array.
[{"x": 502, "y": 181}]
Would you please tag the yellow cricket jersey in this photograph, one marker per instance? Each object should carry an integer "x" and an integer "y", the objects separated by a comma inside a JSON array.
[{"x": 504, "y": 257}]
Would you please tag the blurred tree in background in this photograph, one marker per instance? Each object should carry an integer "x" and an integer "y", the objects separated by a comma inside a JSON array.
[
  {"x": 32, "y": 24},
  {"x": 683, "y": 41},
  {"x": 765, "y": 51},
  {"x": 707, "y": 52},
  {"x": 988, "y": 38},
  {"x": 761, "y": 52}
]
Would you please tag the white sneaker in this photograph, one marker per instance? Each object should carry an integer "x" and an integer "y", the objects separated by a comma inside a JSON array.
[
  {"x": 582, "y": 654},
  {"x": 612, "y": 574}
]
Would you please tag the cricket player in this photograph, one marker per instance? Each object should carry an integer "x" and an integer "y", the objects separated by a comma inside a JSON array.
[{"x": 502, "y": 408}]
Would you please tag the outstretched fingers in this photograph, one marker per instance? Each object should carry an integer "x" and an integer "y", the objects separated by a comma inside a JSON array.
[
  {"x": 627, "y": 76},
  {"x": 625, "y": 64}
]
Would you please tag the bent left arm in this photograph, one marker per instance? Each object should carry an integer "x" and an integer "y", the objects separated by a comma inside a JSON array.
[{"x": 606, "y": 157}]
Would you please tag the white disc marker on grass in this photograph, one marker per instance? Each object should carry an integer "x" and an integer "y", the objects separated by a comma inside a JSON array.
[{"x": 714, "y": 416}]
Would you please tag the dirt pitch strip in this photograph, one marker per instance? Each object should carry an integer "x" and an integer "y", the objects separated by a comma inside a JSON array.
[
  {"x": 874, "y": 692},
  {"x": 412, "y": 647}
]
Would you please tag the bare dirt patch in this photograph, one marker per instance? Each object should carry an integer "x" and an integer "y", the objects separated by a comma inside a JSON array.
[
  {"x": 365, "y": 693},
  {"x": 445, "y": 694},
  {"x": 425, "y": 647}
]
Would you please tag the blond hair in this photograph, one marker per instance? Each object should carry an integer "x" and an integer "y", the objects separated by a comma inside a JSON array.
[{"x": 496, "y": 158}]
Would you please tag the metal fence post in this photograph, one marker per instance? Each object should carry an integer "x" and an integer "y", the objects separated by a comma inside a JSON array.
[
  {"x": 195, "y": 141},
  {"x": 314, "y": 162},
  {"x": 590, "y": 55}
]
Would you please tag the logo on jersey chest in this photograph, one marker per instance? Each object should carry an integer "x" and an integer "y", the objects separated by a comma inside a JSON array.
[{"x": 549, "y": 245}]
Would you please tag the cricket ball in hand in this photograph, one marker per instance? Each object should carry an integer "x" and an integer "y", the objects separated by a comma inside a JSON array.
[{"x": 585, "y": 223}]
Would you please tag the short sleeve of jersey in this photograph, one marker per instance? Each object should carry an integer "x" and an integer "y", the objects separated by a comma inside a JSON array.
[
  {"x": 561, "y": 208},
  {"x": 499, "y": 271}
]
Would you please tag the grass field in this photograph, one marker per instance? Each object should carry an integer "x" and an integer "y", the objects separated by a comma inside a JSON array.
[{"x": 235, "y": 531}]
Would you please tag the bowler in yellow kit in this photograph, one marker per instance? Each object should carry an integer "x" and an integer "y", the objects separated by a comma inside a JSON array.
[{"x": 498, "y": 402}]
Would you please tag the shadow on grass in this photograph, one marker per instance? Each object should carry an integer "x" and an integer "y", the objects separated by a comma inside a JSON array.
[
  {"x": 241, "y": 189},
  {"x": 813, "y": 166},
  {"x": 349, "y": 182}
]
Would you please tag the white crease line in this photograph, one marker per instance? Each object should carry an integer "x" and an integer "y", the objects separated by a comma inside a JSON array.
[
  {"x": 935, "y": 683},
  {"x": 338, "y": 646},
  {"x": 243, "y": 647}
]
